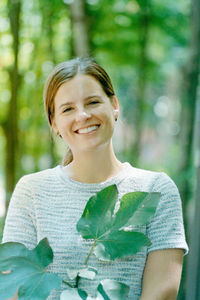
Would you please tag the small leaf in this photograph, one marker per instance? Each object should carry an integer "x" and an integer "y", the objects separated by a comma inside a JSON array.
[
  {"x": 136, "y": 208},
  {"x": 73, "y": 294},
  {"x": 119, "y": 244},
  {"x": 112, "y": 290},
  {"x": 88, "y": 273},
  {"x": 72, "y": 273},
  {"x": 98, "y": 213},
  {"x": 27, "y": 272}
]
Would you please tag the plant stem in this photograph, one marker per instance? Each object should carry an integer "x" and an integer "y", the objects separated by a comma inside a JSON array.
[
  {"x": 67, "y": 283},
  {"x": 91, "y": 250},
  {"x": 77, "y": 281},
  {"x": 85, "y": 263}
]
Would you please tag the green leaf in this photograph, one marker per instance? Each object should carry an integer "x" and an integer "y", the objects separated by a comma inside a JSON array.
[
  {"x": 42, "y": 254},
  {"x": 10, "y": 249},
  {"x": 120, "y": 244},
  {"x": 72, "y": 273},
  {"x": 109, "y": 230},
  {"x": 98, "y": 213},
  {"x": 112, "y": 290},
  {"x": 73, "y": 294},
  {"x": 27, "y": 271},
  {"x": 136, "y": 208},
  {"x": 87, "y": 272}
]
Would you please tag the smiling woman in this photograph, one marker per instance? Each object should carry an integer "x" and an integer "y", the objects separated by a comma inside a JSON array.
[
  {"x": 82, "y": 108},
  {"x": 82, "y": 112}
]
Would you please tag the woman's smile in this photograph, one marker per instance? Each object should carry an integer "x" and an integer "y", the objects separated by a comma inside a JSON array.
[{"x": 88, "y": 130}]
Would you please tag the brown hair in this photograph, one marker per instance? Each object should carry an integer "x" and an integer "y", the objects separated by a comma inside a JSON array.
[{"x": 66, "y": 71}]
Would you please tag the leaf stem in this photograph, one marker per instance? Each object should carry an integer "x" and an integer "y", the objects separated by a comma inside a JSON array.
[
  {"x": 67, "y": 283},
  {"x": 89, "y": 254},
  {"x": 77, "y": 281}
]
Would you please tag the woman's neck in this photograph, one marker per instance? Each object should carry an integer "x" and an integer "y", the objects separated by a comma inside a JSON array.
[{"x": 94, "y": 167}]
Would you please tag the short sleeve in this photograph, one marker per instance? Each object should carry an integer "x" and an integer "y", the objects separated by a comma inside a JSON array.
[
  {"x": 19, "y": 225},
  {"x": 166, "y": 229}
]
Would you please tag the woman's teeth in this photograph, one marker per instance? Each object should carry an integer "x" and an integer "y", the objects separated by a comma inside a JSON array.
[{"x": 88, "y": 129}]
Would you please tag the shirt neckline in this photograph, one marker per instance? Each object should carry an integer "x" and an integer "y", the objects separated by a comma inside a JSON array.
[{"x": 112, "y": 180}]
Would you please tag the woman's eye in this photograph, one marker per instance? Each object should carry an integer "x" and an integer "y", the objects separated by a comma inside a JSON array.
[
  {"x": 94, "y": 102},
  {"x": 67, "y": 109}
]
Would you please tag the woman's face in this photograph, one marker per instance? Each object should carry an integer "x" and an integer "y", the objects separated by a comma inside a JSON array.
[{"x": 84, "y": 114}]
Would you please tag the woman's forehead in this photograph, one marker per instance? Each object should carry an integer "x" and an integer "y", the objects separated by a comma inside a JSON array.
[{"x": 81, "y": 86}]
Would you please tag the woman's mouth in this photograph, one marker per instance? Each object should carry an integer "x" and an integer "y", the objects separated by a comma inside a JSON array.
[{"x": 88, "y": 129}]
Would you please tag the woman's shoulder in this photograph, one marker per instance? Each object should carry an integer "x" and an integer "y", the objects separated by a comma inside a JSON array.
[
  {"x": 157, "y": 180},
  {"x": 39, "y": 177},
  {"x": 140, "y": 174}
]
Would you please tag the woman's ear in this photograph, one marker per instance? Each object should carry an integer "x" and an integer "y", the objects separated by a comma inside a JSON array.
[
  {"x": 115, "y": 104},
  {"x": 54, "y": 127}
]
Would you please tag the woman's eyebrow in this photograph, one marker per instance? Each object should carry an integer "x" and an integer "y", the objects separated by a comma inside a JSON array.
[
  {"x": 92, "y": 96},
  {"x": 66, "y": 103}
]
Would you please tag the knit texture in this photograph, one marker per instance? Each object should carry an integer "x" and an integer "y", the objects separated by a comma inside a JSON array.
[{"x": 49, "y": 204}]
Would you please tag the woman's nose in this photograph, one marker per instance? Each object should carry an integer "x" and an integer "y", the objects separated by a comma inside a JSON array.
[{"x": 82, "y": 114}]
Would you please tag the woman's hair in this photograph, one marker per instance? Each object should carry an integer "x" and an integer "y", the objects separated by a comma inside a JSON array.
[{"x": 66, "y": 71}]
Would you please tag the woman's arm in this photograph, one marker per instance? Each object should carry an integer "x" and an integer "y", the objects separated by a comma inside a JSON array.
[
  {"x": 14, "y": 298},
  {"x": 162, "y": 274}
]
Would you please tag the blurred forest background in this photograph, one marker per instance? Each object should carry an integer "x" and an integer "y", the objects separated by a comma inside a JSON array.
[{"x": 151, "y": 50}]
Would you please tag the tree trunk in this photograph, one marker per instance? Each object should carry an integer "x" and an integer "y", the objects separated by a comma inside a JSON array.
[
  {"x": 11, "y": 126},
  {"x": 193, "y": 272},
  {"x": 48, "y": 13},
  {"x": 142, "y": 79},
  {"x": 191, "y": 122},
  {"x": 80, "y": 31},
  {"x": 188, "y": 105}
]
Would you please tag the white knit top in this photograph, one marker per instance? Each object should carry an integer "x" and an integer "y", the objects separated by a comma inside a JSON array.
[{"x": 49, "y": 204}]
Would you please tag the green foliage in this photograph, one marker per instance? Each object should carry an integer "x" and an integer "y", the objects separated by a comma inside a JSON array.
[
  {"x": 98, "y": 214},
  {"x": 73, "y": 294},
  {"x": 27, "y": 271},
  {"x": 106, "y": 290},
  {"x": 115, "y": 31},
  {"x": 118, "y": 244},
  {"x": 111, "y": 238},
  {"x": 98, "y": 222},
  {"x": 112, "y": 290},
  {"x": 137, "y": 208},
  {"x": 85, "y": 272}
]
